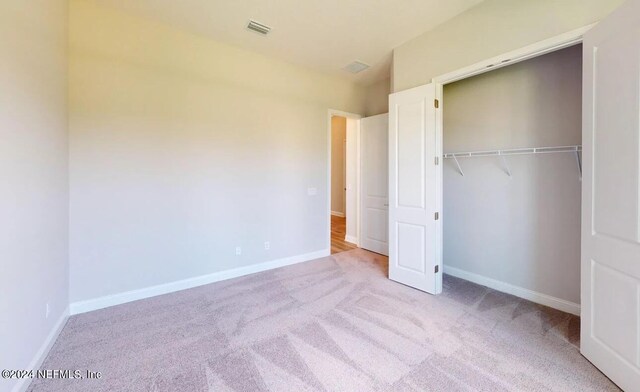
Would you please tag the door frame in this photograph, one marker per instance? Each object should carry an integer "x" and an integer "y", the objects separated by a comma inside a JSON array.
[
  {"x": 536, "y": 49},
  {"x": 356, "y": 118},
  {"x": 540, "y": 48}
]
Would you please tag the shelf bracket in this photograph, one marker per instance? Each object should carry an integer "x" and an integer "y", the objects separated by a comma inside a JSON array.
[
  {"x": 579, "y": 162},
  {"x": 505, "y": 164},
  {"x": 458, "y": 164}
]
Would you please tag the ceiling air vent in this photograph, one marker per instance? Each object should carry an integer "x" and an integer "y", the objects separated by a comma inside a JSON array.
[
  {"x": 258, "y": 27},
  {"x": 355, "y": 67}
]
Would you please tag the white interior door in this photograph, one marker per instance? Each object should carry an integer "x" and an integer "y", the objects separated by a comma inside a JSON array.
[
  {"x": 415, "y": 189},
  {"x": 610, "y": 331},
  {"x": 374, "y": 190}
]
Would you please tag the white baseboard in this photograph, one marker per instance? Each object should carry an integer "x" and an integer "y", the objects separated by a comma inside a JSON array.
[
  {"x": 36, "y": 362},
  {"x": 351, "y": 239},
  {"x": 336, "y": 213},
  {"x": 533, "y": 296},
  {"x": 152, "y": 291}
]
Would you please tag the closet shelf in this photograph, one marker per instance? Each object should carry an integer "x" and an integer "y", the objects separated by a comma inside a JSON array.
[{"x": 516, "y": 151}]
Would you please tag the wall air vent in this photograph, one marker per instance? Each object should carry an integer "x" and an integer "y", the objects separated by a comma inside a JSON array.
[
  {"x": 258, "y": 27},
  {"x": 355, "y": 67}
]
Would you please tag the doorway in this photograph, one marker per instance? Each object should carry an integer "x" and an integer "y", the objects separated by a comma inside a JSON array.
[
  {"x": 339, "y": 242},
  {"x": 358, "y": 200},
  {"x": 512, "y": 180}
]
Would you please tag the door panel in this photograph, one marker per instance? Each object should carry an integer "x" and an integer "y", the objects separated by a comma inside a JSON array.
[
  {"x": 411, "y": 151},
  {"x": 378, "y": 224},
  {"x": 616, "y": 136},
  {"x": 411, "y": 248},
  {"x": 610, "y": 322},
  {"x": 611, "y": 287},
  {"x": 374, "y": 166},
  {"x": 414, "y": 186}
]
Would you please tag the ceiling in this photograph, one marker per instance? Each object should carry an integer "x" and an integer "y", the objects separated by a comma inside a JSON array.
[{"x": 324, "y": 35}]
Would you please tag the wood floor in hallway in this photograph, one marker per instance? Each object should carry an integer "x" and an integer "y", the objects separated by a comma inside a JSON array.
[{"x": 338, "y": 232}]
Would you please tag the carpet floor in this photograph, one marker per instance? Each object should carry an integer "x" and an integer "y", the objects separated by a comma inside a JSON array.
[{"x": 333, "y": 324}]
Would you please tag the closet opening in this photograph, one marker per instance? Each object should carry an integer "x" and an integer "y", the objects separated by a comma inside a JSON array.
[{"x": 512, "y": 181}]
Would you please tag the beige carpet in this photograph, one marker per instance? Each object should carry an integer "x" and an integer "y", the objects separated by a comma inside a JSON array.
[{"x": 335, "y": 324}]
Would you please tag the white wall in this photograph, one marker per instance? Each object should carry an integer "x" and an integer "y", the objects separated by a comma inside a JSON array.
[
  {"x": 338, "y": 168},
  {"x": 183, "y": 148},
  {"x": 523, "y": 230},
  {"x": 378, "y": 98},
  {"x": 489, "y": 29},
  {"x": 33, "y": 180}
]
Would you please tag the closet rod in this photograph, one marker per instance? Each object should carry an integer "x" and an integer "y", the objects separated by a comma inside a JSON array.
[{"x": 515, "y": 151}]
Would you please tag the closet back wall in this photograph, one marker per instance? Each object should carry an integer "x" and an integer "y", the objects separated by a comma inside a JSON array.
[{"x": 522, "y": 230}]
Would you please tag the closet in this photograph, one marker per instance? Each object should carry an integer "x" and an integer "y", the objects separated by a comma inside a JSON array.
[
  {"x": 487, "y": 182},
  {"x": 512, "y": 178}
]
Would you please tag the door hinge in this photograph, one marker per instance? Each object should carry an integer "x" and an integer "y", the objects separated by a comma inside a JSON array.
[
  {"x": 436, "y": 103},
  {"x": 437, "y": 269},
  {"x": 437, "y": 160},
  {"x": 437, "y": 216}
]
